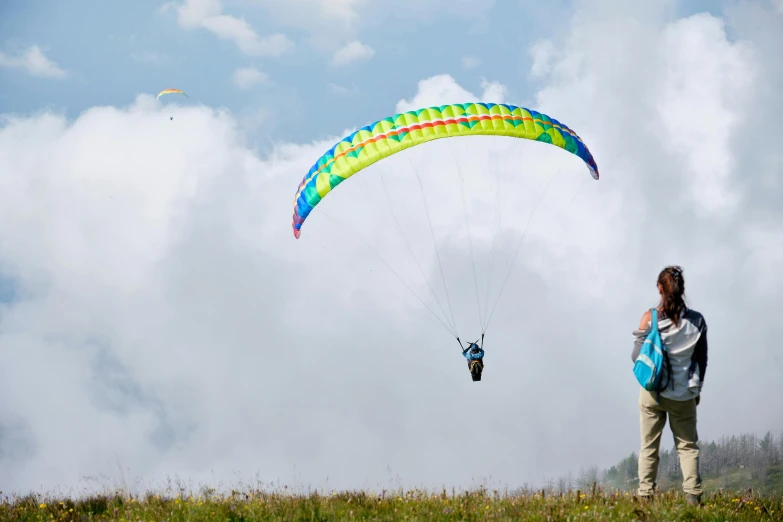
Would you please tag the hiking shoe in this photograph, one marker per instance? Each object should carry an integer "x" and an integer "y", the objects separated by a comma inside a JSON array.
[{"x": 694, "y": 500}]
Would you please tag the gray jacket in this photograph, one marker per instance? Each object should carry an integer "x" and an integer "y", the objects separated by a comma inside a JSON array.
[{"x": 686, "y": 345}]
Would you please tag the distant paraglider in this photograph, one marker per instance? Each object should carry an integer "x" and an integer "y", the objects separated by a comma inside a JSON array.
[{"x": 171, "y": 91}]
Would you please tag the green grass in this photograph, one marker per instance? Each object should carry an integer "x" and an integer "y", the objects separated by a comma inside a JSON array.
[
  {"x": 770, "y": 480},
  {"x": 401, "y": 505}
]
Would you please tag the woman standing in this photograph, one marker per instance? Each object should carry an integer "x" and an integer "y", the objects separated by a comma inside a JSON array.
[{"x": 684, "y": 334}]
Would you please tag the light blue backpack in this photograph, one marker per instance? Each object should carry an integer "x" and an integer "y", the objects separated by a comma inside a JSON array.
[{"x": 649, "y": 366}]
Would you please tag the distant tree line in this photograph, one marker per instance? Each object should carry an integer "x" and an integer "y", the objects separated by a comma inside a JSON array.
[{"x": 746, "y": 458}]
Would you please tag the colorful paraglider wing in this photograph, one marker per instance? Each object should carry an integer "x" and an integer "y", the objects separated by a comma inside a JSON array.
[
  {"x": 170, "y": 91},
  {"x": 401, "y": 131}
]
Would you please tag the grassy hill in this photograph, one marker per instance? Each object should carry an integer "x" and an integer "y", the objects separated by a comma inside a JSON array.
[
  {"x": 743, "y": 480},
  {"x": 400, "y": 505}
]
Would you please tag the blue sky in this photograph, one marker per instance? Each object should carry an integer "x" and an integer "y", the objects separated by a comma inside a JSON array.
[{"x": 112, "y": 51}]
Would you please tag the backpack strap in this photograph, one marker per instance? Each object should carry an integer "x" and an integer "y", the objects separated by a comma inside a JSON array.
[
  {"x": 654, "y": 319},
  {"x": 666, "y": 361}
]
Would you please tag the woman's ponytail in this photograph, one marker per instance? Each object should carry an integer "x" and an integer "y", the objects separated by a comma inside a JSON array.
[{"x": 673, "y": 285}]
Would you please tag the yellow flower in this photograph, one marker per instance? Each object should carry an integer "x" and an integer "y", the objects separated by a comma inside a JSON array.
[
  {"x": 582, "y": 495},
  {"x": 486, "y": 507},
  {"x": 587, "y": 507},
  {"x": 42, "y": 505},
  {"x": 70, "y": 510}
]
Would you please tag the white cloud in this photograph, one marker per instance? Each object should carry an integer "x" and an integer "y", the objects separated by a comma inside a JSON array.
[
  {"x": 304, "y": 12},
  {"x": 328, "y": 22},
  {"x": 159, "y": 277},
  {"x": 34, "y": 61},
  {"x": 310, "y": 14},
  {"x": 443, "y": 89},
  {"x": 470, "y": 62},
  {"x": 494, "y": 92},
  {"x": 252, "y": 119},
  {"x": 352, "y": 52},
  {"x": 208, "y": 14},
  {"x": 474, "y": 11},
  {"x": 247, "y": 77},
  {"x": 543, "y": 52},
  {"x": 699, "y": 123},
  {"x": 331, "y": 22},
  {"x": 345, "y": 10}
]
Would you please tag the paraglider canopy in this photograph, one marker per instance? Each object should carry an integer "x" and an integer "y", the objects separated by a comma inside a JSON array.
[
  {"x": 171, "y": 91},
  {"x": 390, "y": 135}
]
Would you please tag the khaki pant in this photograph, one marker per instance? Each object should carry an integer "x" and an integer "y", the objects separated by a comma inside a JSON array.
[{"x": 682, "y": 421}]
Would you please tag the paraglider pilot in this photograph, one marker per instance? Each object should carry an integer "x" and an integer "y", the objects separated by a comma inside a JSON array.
[{"x": 475, "y": 356}]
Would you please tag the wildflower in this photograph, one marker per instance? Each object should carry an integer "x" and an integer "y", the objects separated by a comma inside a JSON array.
[
  {"x": 582, "y": 495},
  {"x": 42, "y": 505},
  {"x": 587, "y": 507}
]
